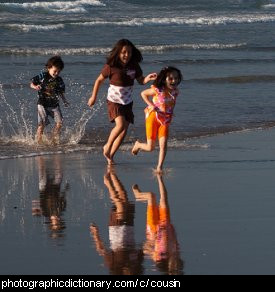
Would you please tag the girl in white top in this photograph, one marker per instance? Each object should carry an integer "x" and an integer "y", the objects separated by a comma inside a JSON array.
[{"x": 122, "y": 68}]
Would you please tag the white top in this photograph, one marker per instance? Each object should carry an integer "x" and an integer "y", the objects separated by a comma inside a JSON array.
[
  {"x": 120, "y": 94},
  {"x": 121, "y": 236}
]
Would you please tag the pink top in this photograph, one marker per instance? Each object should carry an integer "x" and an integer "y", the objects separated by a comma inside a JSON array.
[{"x": 164, "y": 103}]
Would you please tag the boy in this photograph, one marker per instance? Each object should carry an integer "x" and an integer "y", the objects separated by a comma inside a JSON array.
[{"x": 50, "y": 87}]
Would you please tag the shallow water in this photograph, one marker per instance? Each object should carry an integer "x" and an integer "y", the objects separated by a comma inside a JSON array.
[
  {"x": 224, "y": 49},
  {"x": 219, "y": 189},
  {"x": 220, "y": 202}
]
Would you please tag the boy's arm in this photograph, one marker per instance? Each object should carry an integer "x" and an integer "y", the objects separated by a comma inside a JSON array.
[
  {"x": 143, "y": 80},
  {"x": 99, "y": 81},
  {"x": 66, "y": 103},
  {"x": 36, "y": 82},
  {"x": 36, "y": 87}
]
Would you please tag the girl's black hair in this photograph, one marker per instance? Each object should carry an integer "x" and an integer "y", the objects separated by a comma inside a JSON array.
[
  {"x": 55, "y": 61},
  {"x": 113, "y": 58},
  {"x": 160, "y": 81}
]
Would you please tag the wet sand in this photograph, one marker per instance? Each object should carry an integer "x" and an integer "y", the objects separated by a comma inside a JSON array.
[{"x": 221, "y": 198}]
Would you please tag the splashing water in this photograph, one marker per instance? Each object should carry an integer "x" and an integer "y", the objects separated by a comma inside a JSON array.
[
  {"x": 17, "y": 120},
  {"x": 15, "y": 128},
  {"x": 76, "y": 132}
]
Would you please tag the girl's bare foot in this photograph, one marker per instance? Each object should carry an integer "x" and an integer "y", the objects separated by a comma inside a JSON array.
[
  {"x": 93, "y": 228},
  {"x": 135, "y": 188},
  {"x": 135, "y": 149},
  {"x": 158, "y": 170},
  {"x": 106, "y": 154}
]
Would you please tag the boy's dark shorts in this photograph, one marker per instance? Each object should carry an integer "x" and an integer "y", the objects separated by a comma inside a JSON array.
[{"x": 116, "y": 109}]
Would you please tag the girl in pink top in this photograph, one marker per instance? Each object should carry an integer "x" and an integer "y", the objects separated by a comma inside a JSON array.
[
  {"x": 161, "y": 100},
  {"x": 122, "y": 69}
]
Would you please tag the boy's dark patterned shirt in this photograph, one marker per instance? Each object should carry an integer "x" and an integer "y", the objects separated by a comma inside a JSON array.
[{"x": 51, "y": 89}]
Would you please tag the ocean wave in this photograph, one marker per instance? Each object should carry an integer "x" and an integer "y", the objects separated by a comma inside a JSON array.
[
  {"x": 221, "y": 61},
  {"x": 53, "y": 51},
  {"x": 194, "y": 20},
  {"x": 13, "y": 153},
  {"x": 78, "y": 6},
  {"x": 13, "y": 149},
  {"x": 162, "y": 48},
  {"x": 35, "y": 27},
  {"x": 236, "y": 79},
  {"x": 105, "y": 50},
  {"x": 269, "y": 6},
  {"x": 186, "y": 20},
  {"x": 222, "y": 130}
]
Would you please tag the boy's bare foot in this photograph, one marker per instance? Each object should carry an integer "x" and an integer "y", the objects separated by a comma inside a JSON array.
[
  {"x": 135, "y": 149},
  {"x": 55, "y": 140},
  {"x": 39, "y": 140}
]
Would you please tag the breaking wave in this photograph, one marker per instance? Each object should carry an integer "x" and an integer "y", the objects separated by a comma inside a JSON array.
[
  {"x": 78, "y": 6},
  {"x": 105, "y": 50}
]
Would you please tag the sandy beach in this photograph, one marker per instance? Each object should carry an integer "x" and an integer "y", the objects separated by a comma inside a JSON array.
[{"x": 220, "y": 195}]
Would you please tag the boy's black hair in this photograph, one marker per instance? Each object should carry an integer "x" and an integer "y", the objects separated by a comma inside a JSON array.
[
  {"x": 55, "y": 61},
  {"x": 160, "y": 81},
  {"x": 113, "y": 58}
]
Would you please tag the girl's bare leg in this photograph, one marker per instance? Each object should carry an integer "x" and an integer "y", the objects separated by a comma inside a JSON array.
[
  {"x": 162, "y": 153},
  {"x": 118, "y": 141},
  {"x": 149, "y": 146},
  {"x": 120, "y": 128}
]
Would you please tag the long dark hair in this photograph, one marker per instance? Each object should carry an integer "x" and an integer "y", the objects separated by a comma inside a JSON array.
[
  {"x": 113, "y": 58},
  {"x": 160, "y": 81}
]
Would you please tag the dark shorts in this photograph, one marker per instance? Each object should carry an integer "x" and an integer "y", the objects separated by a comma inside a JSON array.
[{"x": 116, "y": 109}]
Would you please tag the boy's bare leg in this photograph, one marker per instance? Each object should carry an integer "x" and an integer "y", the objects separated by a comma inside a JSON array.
[
  {"x": 39, "y": 134},
  {"x": 56, "y": 133}
]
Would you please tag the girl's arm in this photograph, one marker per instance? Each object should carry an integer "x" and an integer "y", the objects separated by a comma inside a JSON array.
[
  {"x": 99, "y": 81},
  {"x": 147, "y": 96},
  {"x": 143, "y": 80}
]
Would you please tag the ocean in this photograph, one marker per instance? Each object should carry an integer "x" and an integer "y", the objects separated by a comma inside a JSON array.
[
  {"x": 56, "y": 201},
  {"x": 225, "y": 50}
]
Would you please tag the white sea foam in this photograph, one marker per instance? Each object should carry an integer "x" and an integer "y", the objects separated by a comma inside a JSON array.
[
  {"x": 187, "y": 144},
  {"x": 35, "y": 27},
  {"x": 78, "y": 6},
  {"x": 186, "y": 20},
  {"x": 161, "y": 48},
  {"x": 53, "y": 51},
  {"x": 103, "y": 51},
  {"x": 175, "y": 144},
  {"x": 268, "y": 6}
]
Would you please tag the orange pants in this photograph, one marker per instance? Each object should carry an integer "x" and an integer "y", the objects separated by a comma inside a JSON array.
[
  {"x": 156, "y": 216},
  {"x": 154, "y": 127}
]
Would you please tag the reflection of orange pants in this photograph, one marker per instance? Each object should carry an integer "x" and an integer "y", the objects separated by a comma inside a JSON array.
[
  {"x": 155, "y": 216},
  {"x": 154, "y": 128}
]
